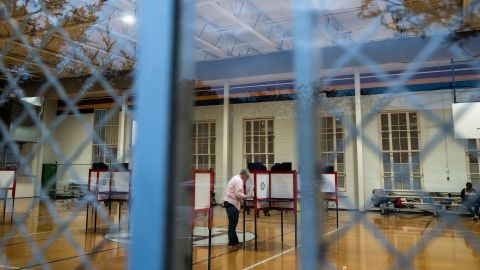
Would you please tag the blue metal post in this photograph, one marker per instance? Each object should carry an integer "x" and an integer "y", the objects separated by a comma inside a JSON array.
[
  {"x": 305, "y": 71},
  {"x": 153, "y": 86}
]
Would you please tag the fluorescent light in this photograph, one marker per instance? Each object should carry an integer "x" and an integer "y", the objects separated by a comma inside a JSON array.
[{"x": 128, "y": 19}]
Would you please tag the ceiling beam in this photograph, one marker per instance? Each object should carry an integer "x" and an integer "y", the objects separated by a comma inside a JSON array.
[
  {"x": 215, "y": 50},
  {"x": 119, "y": 82},
  {"x": 25, "y": 61},
  {"x": 246, "y": 26},
  {"x": 331, "y": 30},
  {"x": 236, "y": 41},
  {"x": 380, "y": 51}
]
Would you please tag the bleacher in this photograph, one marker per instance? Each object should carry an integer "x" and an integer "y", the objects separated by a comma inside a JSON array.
[{"x": 386, "y": 200}]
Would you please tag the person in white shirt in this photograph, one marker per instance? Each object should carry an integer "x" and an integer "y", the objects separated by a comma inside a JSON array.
[{"x": 234, "y": 194}]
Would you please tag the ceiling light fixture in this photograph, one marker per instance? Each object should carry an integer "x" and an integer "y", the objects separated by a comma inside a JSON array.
[{"x": 128, "y": 19}]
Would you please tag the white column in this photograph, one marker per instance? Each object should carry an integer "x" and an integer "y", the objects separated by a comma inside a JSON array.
[
  {"x": 122, "y": 122},
  {"x": 226, "y": 129},
  {"x": 359, "y": 144}
]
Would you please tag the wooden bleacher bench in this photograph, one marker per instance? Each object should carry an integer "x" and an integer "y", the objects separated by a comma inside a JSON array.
[{"x": 435, "y": 202}]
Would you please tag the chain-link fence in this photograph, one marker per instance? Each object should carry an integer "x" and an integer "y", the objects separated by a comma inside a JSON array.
[
  {"x": 383, "y": 92},
  {"x": 66, "y": 72}
]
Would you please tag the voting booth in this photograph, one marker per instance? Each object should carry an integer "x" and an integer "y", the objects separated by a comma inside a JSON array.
[
  {"x": 108, "y": 186},
  {"x": 203, "y": 181},
  {"x": 329, "y": 187},
  {"x": 203, "y": 188},
  {"x": 276, "y": 190},
  {"x": 8, "y": 183}
]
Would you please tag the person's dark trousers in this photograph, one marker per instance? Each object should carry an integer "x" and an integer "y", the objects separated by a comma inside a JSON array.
[
  {"x": 472, "y": 206},
  {"x": 232, "y": 214}
]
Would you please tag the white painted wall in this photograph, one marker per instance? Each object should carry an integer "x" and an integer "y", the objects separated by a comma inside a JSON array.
[
  {"x": 445, "y": 157},
  {"x": 26, "y": 179},
  {"x": 284, "y": 130},
  {"x": 75, "y": 142},
  {"x": 29, "y": 179}
]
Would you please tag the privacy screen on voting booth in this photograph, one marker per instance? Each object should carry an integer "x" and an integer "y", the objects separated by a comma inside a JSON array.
[
  {"x": 327, "y": 180},
  {"x": 109, "y": 182},
  {"x": 262, "y": 188},
  {"x": 203, "y": 189},
  {"x": 7, "y": 179},
  {"x": 275, "y": 190},
  {"x": 283, "y": 186},
  {"x": 329, "y": 184},
  {"x": 202, "y": 200},
  {"x": 279, "y": 189},
  {"x": 8, "y": 182}
]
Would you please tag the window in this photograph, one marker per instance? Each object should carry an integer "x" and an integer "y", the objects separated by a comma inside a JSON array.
[
  {"x": 7, "y": 159},
  {"x": 332, "y": 147},
  {"x": 473, "y": 154},
  {"x": 203, "y": 157},
  {"x": 400, "y": 150},
  {"x": 258, "y": 138},
  {"x": 106, "y": 126}
]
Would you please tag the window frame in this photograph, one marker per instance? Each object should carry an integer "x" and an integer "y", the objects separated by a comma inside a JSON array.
[
  {"x": 210, "y": 154},
  {"x": 106, "y": 135},
  {"x": 411, "y": 174},
  {"x": 468, "y": 152},
  {"x": 266, "y": 153},
  {"x": 334, "y": 152}
]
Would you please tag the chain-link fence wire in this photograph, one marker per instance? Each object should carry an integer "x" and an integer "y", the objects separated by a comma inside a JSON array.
[
  {"x": 95, "y": 72},
  {"x": 82, "y": 59},
  {"x": 396, "y": 89}
]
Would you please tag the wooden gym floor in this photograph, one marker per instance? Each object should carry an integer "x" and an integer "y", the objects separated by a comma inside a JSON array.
[{"x": 354, "y": 247}]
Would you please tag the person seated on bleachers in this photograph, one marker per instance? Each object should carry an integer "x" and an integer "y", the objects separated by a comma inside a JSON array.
[
  {"x": 398, "y": 203},
  {"x": 470, "y": 200}
]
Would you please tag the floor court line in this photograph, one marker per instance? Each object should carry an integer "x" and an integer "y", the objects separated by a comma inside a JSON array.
[
  {"x": 231, "y": 251},
  {"x": 72, "y": 257},
  {"x": 79, "y": 228},
  {"x": 285, "y": 252},
  {"x": 8, "y": 267}
]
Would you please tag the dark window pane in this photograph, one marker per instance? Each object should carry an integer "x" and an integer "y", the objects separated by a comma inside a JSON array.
[
  {"x": 384, "y": 122},
  {"x": 386, "y": 144},
  {"x": 402, "y": 119},
  {"x": 341, "y": 181},
  {"x": 271, "y": 159},
  {"x": 212, "y": 129},
  {"x": 413, "y": 120},
  {"x": 340, "y": 158}
]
